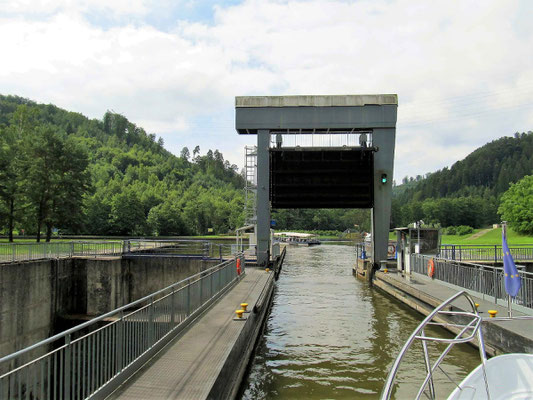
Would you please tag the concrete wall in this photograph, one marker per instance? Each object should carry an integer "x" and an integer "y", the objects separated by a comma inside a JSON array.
[
  {"x": 26, "y": 297},
  {"x": 149, "y": 274},
  {"x": 40, "y": 298}
]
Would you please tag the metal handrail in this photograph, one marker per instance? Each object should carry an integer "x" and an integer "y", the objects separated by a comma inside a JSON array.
[
  {"x": 77, "y": 364},
  {"x": 473, "y": 325},
  {"x": 482, "y": 252},
  {"x": 13, "y": 252},
  {"x": 107, "y": 315},
  {"x": 486, "y": 280}
]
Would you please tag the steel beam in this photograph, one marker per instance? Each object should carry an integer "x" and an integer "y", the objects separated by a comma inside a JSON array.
[
  {"x": 263, "y": 195},
  {"x": 384, "y": 140}
]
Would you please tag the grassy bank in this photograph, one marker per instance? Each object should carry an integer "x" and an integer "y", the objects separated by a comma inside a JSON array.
[{"x": 492, "y": 237}]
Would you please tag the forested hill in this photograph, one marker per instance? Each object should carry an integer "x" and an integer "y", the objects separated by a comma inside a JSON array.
[
  {"x": 61, "y": 170},
  {"x": 469, "y": 192}
]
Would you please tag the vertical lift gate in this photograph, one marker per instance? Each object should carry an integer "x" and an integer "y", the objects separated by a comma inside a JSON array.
[{"x": 322, "y": 177}]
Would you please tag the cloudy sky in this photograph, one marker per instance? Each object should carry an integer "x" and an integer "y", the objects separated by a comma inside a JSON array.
[{"x": 462, "y": 69}]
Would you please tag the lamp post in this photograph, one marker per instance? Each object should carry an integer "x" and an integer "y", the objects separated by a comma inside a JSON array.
[{"x": 418, "y": 225}]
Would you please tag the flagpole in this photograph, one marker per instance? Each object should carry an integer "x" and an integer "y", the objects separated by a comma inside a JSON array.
[{"x": 509, "y": 299}]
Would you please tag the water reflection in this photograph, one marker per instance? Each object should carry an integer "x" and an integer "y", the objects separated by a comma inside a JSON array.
[{"x": 329, "y": 336}]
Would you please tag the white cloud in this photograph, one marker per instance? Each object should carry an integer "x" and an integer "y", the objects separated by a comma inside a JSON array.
[
  {"x": 47, "y": 7},
  {"x": 460, "y": 68}
]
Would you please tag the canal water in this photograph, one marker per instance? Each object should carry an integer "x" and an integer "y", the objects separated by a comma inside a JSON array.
[{"x": 330, "y": 336}]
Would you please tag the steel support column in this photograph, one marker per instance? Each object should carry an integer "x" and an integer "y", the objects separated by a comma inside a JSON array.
[
  {"x": 263, "y": 202},
  {"x": 384, "y": 140}
]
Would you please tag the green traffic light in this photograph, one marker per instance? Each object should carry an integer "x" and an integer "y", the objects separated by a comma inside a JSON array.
[{"x": 383, "y": 178}]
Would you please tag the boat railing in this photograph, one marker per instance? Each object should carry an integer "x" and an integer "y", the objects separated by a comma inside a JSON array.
[{"x": 467, "y": 327}]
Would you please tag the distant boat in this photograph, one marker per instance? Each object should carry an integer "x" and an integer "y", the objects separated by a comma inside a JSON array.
[{"x": 297, "y": 238}]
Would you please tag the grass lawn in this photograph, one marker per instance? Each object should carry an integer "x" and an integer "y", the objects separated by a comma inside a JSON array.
[{"x": 492, "y": 237}]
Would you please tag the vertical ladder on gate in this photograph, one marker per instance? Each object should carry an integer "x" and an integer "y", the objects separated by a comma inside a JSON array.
[{"x": 250, "y": 185}]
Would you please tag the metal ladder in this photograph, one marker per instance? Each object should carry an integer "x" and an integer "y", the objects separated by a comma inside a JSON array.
[{"x": 250, "y": 185}]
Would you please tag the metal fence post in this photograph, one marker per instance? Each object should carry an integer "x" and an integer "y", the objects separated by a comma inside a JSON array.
[
  {"x": 495, "y": 254},
  {"x": 151, "y": 326},
  {"x": 172, "y": 308},
  {"x": 494, "y": 289},
  {"x": 119, "y": 341},
  {"x": 201, "y": 282},
  {"x": 66, "y": 381},
  {"x": 210, "y": 285},
  {"x": 189, "y": 299}
]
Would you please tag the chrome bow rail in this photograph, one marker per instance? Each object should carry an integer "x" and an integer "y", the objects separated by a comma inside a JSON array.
[{"x": 467, "y": 326}]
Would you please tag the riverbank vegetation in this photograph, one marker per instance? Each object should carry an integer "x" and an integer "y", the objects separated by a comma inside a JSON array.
[
  {"x": 62, "y": 171},
  {"x": 477, "y": 191}
]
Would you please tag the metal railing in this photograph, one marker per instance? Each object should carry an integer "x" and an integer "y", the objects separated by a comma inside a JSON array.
[
  {"x": 467, "y": 328},
  {"x": 483, "y": 279},
  {"x": 484, "y": 252},
  {"x": 96, "y": 356},
  {"x": 11, "y": 252}
]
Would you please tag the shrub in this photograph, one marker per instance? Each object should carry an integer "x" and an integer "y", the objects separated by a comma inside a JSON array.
[
  {"x": 464, "y": 230},
  {"x": 451, "y": 230}
]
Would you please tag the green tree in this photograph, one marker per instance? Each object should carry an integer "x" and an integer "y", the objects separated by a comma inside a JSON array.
[
  {"x": 56, "y": 179},
  {"x": 185, "y": 154},
  {"x": 165, "y": 220},
  {"x": 12, "y": 157},
  {"x": 516, "y": 206},
  {"x": 127, "y": 214}
]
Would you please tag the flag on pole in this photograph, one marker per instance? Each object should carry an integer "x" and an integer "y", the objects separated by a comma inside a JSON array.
[{"x": 510, "y": 273}]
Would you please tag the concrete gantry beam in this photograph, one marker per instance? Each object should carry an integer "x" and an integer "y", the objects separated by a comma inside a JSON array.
[{"x": 262, "y": 115}]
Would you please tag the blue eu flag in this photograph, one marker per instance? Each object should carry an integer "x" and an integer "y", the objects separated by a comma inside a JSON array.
[{"x": 512, "y": 280}]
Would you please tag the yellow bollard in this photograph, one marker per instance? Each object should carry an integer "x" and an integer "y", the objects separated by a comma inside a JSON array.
[
  {"x": 267, "y": 269},
  {"x": 477, "y": 305},
  {"x": 385, "y": 270},
  {"x": 239, "y": 313},
  {"x": 492, "y": 313},
  {"x": 243, "y": 306}
]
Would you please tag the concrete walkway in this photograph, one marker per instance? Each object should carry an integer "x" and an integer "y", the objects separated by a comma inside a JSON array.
[
  {"x": 423, "y": 294},
  {"x": 188, "y": 367}
]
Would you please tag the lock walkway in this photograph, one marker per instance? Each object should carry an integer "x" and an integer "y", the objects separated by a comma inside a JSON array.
[
  {"x": 423, "y": 294},
  {"x": 194, "y": 364}
]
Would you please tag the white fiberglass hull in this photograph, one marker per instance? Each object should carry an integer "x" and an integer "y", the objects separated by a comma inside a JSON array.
[{"x": 509, "y": 376}]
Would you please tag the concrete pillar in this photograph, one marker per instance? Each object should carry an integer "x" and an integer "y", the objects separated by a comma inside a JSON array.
[
  {"x": 384, "y": 139},
  {"x": 263, "y": 197}
]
